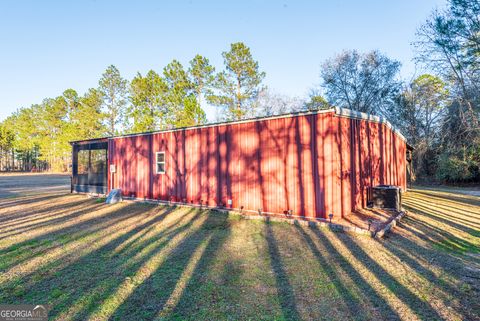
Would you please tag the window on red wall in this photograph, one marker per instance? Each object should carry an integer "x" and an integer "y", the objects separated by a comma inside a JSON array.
[{"x": 160, "y": 162}]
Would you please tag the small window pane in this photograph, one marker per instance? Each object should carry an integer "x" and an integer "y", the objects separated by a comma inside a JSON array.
[
  {"x": 160, "y": 162},
  {"x": 98, "y": 161},
  {"x": 161, "y": 168},
  {"x": 98, "y": 167}
]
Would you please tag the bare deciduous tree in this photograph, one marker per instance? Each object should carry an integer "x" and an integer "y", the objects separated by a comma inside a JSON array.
[
  {"x": 271, "y": 103},
  {"x": 362, "y": 82},
  {"x": 449, "y": 44}
]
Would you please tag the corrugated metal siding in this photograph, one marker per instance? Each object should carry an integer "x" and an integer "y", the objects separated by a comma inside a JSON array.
[{"x": 311, "y": 164}]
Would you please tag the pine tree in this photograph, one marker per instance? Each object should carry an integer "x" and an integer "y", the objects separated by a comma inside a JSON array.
[
  {"x": 239, "y": 85},
  {"x": 182, "y": 105},
  {"x": 147, "y": 110},
  {"x": 202, "y": 74},
  {"x": 114, "y": 90}
]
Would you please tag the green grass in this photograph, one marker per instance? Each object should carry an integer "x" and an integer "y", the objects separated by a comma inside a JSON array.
[
  {"x": 92, "y": 261},
  {"x": 100, "y": 200},
  {"x": 454, "y": 218}
]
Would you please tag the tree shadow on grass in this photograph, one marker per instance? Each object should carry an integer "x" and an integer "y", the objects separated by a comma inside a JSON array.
[
  {"x": 425, "y": 211},
  {"x": 24, "y": 200},
  {"x": 214, "y": 294},
  {"x": 445, "y": 210},
  {"x": 446, "y": 196},
  {"x": 81, "y": 282},
  {"x": 419, "y": 307},
  {"x": 170, "y": 289},
  {"x": 21, "y": 252},
  {"x": 359, "y": 305},
  {"x": 445, "y": 253},
  {"x": 440, "y": 237},
  {"x": 62, "y": 215},
  {"x": 36, "y": 208},
  {"x": 18, "y": 253},
  {"x": 423, "y": 261},
  {"x": 126, "y": 266},
  {"x": 284, "y": 288}
]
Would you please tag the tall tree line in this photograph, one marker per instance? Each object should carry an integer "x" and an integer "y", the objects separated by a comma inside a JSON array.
[
  {"x": 449, "y": 45},
  {"x": 37, "y": 137},
  {"x": 438, "y": 111}
]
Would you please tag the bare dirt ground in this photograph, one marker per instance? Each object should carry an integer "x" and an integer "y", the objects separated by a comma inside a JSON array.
[
  {"x": 17, "y": 184},
  {"x": 133, "y": 261}
]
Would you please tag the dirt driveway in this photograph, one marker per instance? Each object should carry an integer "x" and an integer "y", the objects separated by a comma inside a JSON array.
[{"x": 13, "y": 185}]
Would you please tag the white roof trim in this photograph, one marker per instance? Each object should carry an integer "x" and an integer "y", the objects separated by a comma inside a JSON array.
[
  {"x": 343, "y": 112},
  {"x": 251, "y": 120}
]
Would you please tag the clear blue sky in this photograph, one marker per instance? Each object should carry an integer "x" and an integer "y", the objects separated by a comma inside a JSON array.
[{"x": 49, "y": 46}]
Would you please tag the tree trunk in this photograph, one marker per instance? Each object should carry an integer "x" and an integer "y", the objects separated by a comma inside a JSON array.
[{"x": 239, "y": 104}]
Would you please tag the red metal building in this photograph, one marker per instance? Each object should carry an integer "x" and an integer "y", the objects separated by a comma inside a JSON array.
[{"x": 305, "y": 164}]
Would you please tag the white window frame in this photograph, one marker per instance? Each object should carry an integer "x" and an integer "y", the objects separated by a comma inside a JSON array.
[{"x": 157, "y": 162}]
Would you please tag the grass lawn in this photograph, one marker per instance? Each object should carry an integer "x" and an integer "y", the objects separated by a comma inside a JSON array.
[{"x": 145, "y": 262}]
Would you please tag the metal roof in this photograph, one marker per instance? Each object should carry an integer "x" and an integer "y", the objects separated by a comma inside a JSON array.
[{"x": 341, "y": 112}]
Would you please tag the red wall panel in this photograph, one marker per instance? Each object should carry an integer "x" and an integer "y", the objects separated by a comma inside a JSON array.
[{"x": 311, "y": 164}]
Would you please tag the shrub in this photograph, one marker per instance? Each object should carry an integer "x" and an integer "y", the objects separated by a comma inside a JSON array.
[{"x": 453, "y": 169}]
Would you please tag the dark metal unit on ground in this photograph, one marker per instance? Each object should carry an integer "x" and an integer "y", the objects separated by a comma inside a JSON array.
[{"x": 387, "y": 196}]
